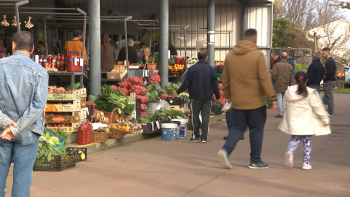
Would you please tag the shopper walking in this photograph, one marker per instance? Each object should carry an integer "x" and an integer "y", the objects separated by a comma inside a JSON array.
[
  {"x": 275, "y": 58},
  {"x": 246, "y": 82},
  {"x": 24, "y": 86},
  {"x": 315, "y": 73},
  {"x": 282, "y": 77},
  {"x": 330, "y": 79},
  {"x": 291, "y": 61},
  {"x": 201, "y": 83},
  {"x": 304, "y": 117}
]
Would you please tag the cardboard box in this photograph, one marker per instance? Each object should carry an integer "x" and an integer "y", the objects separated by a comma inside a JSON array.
[
  {"x": 111, "y": 75},
  {"x": 76, "y": 106},
  {"x": 83, "y": 93},
  {"x": 122, "y": 62},
  {"x": 177, "y": 107},
  {"x": 83, "y": 113},
  {"x": 83, "y": 102},
  {"x": 64, "y": 97},
  {"x": 70, "y": 117},
  {"x": 73, "y": 128}
]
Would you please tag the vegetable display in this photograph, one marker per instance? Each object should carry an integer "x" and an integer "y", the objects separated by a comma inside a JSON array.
[
  {"x": 45, "y": 150},
  {"x": 110, "y": 99},
  {"x": 154, "y": 92},
  {"x": 52, "y": 140},
  {"x": 163, "y": 115},
  {"x": 154, "y": 78},
  {"x": 172, "y": 87}
]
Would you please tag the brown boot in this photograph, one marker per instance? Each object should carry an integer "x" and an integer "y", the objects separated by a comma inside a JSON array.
[{"x": 279, "y": 116}]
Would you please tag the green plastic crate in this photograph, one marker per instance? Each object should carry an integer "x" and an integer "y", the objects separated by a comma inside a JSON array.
[
  {"x": 219, "y": 75},
  {"x": 62, "y": 140}
]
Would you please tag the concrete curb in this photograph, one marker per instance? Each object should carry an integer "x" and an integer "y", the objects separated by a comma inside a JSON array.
[{"x": 111, "y": 143}]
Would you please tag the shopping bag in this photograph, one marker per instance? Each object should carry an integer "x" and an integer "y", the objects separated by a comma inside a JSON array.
[
  {"x": 324, "y": 100},
  {"x": 268, "y": 101}
]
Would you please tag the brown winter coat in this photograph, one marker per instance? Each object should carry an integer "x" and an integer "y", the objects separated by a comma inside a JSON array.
[
  {"x": 245, "y": 78},
  {"x": 282, "y": 76}
]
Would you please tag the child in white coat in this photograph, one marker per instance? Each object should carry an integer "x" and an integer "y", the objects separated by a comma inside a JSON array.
[{"x": 304, "y": 116}]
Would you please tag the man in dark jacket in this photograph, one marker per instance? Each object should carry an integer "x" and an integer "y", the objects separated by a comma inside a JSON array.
[
  {"x": 291, "y": 61},
  {"x": 132, "y": 54},
  {"x": 330, "y": 79},
  {"x": 315, "y": 73},
  {"x": 201, "y": 83}
]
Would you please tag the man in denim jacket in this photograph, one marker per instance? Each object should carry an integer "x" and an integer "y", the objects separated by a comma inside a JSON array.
[{"x": 23, "y": 95}]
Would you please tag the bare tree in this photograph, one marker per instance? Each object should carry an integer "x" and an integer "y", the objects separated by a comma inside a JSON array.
[{"x": 299, "y": 12}]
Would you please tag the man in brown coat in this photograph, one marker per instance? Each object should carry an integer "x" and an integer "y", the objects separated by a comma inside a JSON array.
[
  {"x": 282, "y": 77},
  {"x": 246, "y": 83}
]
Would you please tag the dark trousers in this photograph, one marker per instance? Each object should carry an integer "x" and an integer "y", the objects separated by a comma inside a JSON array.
[
  {"x": 255, "y": 119},
  {"x": 204, "y": 107},
  {"x": 230, "y": 122}
]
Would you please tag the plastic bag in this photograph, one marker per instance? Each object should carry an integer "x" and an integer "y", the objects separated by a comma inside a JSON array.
[
  {"x": 324, "y": 100},
  {"x": 226, "y": 107}
]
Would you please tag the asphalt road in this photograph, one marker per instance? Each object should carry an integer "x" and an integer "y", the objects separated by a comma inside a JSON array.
[{"x": 179, "y": 168}]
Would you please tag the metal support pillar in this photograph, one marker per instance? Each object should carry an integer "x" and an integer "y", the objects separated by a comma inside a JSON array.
[
  {"x": 244, "y": 22},
  {"x": 211, "y": 32},
  {"x": 95, "y": 47},
  {"x": 45, "y": 36},
  {"x": 164, "y": 41},
  {"x": 126, "y": 45},
  {"x": 17, "y": 18}
]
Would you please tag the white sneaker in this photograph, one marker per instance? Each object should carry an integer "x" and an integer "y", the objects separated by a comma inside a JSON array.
[
  {"x": 225, "y": 163},
  {"x": 288, "y": 160},
  {"x": 307, "y": 166}
]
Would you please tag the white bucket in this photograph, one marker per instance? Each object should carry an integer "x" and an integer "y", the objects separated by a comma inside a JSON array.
[{"x": 183, "y": 127}]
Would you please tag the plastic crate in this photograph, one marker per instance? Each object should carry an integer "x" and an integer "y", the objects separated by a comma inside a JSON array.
[
  {"x": 73, "y": 150},
  {"x": 147, "y": 128},
  {"x": 178, "y": 73},
  {"x": 62, "y": 140},
  {"x": 175, "y": 101},
  {"x": 56, "y": 164},
  {"x": 219, "y": 75},
  {"x": 216, "y": 108}
]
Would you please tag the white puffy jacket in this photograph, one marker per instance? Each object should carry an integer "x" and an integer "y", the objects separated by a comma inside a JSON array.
[{"x": 304, "y": 115}]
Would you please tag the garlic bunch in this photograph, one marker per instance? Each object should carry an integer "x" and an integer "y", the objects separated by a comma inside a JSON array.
[
  {"x": 15, "y": 21},
  {"x": 29, "y": 24},
  {"x": 4, "y": 22}
]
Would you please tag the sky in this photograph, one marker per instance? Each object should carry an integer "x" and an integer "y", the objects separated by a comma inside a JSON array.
[{"x": 346, "y": 13}]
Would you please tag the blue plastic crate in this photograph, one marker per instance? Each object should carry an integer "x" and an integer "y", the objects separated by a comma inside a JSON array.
[{"x": 62, "y": 140}]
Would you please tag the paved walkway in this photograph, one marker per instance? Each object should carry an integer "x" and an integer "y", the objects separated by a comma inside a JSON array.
[{"x": 158, "y": 168}]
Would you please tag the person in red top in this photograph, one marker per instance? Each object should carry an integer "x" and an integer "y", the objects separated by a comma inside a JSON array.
[
  {"x": 2, "y": 48},
  {"x": 275, "y": 58}
]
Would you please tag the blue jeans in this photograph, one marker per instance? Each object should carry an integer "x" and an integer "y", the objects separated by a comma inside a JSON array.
[
  {"x": 280, "y": 96},
  {"x": 255, "y": 119},
  {"x": 24, "y": 149},
  {"x": 316, "y": 87}
]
